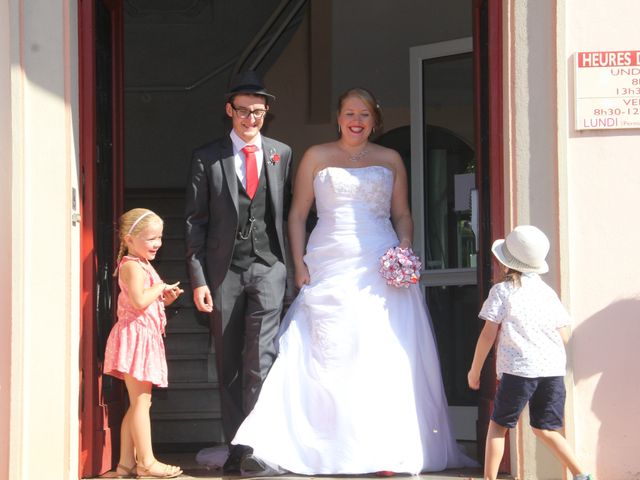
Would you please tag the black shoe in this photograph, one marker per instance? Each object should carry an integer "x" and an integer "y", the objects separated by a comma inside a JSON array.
[
  {"x": 236, "y": 454},
  {"x": 252, "y": 466}
]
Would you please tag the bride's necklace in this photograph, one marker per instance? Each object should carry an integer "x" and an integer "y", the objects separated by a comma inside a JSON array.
[{"x": 354, "y": 157}]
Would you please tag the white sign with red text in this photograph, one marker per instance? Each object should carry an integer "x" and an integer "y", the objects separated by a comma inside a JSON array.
[{"x": 607, "y": 88}]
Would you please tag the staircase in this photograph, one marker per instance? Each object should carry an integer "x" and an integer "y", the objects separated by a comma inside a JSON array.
[{"x": 186, "y": 415}]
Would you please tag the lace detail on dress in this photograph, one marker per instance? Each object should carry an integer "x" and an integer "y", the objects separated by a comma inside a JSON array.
[
  {"x": 327, "y": 350},
  {"x": 367, "y": 185}
]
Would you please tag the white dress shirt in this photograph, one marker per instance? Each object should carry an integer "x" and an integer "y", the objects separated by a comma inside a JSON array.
[{"x": 238, "y": 155}]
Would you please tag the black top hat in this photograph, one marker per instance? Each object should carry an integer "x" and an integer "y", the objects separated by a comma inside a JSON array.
[{"x": 247, "y": 82}]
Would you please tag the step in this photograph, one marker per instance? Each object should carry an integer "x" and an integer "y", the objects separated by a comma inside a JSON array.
[
  {"x": 172, "y": 269},
  {"x": 173, "y": 223},
  {"x": 162, "y": 201},
  {"x": 187, "y": 397},
  {"x": 186, "y": 316},
  {"x": 180, "y": 340},
  {"x": 179, "y": 328},
  {"x": 173, "y": 247},
  {"x": 185, "y": 300},
  {"x": 190, "y": 428},
  {"x": 191, "y": 367}
]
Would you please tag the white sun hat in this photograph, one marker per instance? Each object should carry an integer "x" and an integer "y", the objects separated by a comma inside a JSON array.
[{"x": 524, "y": 250}]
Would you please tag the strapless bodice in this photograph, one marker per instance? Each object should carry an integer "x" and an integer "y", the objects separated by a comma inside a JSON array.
[{"x": 349, "y": 196}]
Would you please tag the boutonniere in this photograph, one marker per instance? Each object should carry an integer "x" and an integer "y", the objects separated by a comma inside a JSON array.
[{"x": 273, "y": 157}]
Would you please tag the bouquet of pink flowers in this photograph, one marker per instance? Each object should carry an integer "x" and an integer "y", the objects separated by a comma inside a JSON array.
[{"x": 400, "y": 267}]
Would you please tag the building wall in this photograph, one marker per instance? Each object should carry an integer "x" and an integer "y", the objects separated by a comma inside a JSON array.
[
  {"x": 603, "y": 175},
  {"x": 42, "y": 274},
  {"x": 531, "y": 170},
  {"x": 580, "y": 187},
  {"x": 5, "y": 238}
]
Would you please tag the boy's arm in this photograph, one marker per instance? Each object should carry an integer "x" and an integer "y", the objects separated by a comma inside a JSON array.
[
  {"x": 564, "y": 333},
  {"x": 485, "y": 342}
]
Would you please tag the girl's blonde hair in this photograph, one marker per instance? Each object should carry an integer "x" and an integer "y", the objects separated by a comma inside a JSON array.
[
  {"x": 514, "y": 277},
  {"x": 132, "y": 223}
]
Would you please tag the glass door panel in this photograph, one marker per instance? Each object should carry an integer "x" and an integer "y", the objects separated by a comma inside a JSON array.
[
  {"x": 449, "y": 161},
  {"x": 443, "y": 165}
]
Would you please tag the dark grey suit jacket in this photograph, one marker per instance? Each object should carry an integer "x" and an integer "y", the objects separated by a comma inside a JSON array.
[{"x": 212, "y": 206}]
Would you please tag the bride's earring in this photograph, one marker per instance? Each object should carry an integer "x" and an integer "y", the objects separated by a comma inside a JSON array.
[{"x": 339, "y": 129}]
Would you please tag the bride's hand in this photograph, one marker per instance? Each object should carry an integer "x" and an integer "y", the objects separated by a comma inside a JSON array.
[
  {"x": 404, "y": 244},
  {"x": 302, "y": 277}
]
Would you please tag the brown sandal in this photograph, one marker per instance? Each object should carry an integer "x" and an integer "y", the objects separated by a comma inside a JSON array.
[
  {"x": 169, "y": 471},
  {"x": 121, "y": 471},
  {"x": 129, "y": 472}
]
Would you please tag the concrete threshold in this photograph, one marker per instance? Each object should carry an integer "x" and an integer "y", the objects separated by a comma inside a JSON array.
[{"x": 193, "y": 470}]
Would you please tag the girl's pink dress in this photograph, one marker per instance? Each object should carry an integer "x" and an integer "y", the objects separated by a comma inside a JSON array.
[{"x": 135, "y": 345}]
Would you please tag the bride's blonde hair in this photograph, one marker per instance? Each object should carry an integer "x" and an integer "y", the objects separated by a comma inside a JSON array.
[{"x": 370, "y": 101}]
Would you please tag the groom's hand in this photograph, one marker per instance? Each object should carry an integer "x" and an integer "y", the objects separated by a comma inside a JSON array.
[{"x": 202, "y": 299}]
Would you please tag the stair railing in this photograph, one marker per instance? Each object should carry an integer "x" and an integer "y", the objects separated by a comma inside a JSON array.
[{"x": 238, "y": 62}]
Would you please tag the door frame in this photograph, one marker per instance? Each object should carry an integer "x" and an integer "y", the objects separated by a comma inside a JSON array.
[
  {"x": 489, "y": 104},
  {"x": 486, "y": 47},
  {"x": 95, "y": 452}
]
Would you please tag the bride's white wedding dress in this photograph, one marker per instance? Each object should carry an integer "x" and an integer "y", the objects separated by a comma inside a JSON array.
[{"x": 356, "y": 386}]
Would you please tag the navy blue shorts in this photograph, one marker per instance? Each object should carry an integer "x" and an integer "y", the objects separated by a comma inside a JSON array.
[{"x": 545, "y": 396}]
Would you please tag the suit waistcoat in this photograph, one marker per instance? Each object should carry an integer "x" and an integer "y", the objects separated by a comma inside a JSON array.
[{"x": 262, "y": 241}]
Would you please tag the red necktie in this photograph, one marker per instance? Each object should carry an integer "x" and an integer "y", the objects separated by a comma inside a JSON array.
[{"x": 251, "y": 168}]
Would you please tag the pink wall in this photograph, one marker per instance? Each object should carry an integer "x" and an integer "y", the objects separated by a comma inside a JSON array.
[
  {"x": 605, "y": 301},
  {"x": 604, "y": 257}
]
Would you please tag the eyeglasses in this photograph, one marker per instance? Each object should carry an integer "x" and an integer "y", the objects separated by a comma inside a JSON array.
[{"x": 245, "y": 112}]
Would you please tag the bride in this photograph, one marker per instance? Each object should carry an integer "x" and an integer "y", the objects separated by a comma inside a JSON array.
[{"x": 356, "y": 387}]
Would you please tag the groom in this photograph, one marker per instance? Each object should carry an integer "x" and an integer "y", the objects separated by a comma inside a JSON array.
[{"x": 236, "y": 204}]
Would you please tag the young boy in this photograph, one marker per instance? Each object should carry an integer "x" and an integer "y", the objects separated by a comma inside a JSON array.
[{"x": 532, "y": 327}]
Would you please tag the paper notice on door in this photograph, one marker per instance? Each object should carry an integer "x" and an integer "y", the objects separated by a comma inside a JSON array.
[{"x": 463, "y": 184}]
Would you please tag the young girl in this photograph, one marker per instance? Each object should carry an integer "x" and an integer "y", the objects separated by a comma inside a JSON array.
[
  {"x": 135, "y": 348},
  {"x": 533, "y": 330}
]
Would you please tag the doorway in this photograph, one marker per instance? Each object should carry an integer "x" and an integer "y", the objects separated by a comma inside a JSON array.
[{"x": 169, "y": 110}]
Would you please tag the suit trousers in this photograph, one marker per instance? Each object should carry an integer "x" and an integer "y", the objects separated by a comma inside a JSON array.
[{"x": 246, "y": 318}]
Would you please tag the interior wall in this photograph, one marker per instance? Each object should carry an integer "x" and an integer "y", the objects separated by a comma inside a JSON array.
[
  {"x": 371, "y": 41},
  {"x": 163, "y": 129}
]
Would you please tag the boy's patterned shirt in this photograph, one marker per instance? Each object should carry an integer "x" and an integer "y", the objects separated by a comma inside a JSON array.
[{"x": 529, "y": 344}]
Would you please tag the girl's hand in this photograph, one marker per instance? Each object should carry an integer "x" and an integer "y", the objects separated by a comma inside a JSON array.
[
  {"x": 473, "y": 378},
  {"x": 171, "y": 293},
  {"x": 302, "y": 277}
]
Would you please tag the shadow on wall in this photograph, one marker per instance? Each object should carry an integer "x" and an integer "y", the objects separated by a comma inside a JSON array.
[{"x": 606, "y": 344}]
